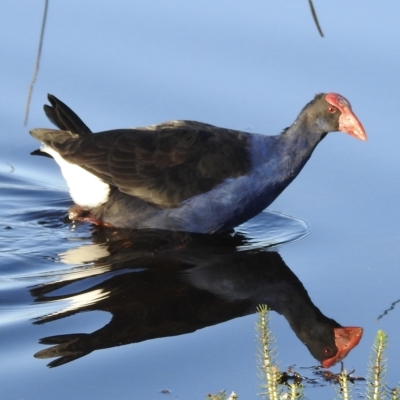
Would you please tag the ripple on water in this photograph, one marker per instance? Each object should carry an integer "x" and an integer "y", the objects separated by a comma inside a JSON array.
[{"x": 37, "y": 243}]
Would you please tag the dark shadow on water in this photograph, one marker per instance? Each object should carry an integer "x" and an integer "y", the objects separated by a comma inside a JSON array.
[
  {"x": 158, "y": 283},
  {"x": 153, "y": 283}
]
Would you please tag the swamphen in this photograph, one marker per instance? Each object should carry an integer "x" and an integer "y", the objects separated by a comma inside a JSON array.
[{"x": 184, "y": 175}]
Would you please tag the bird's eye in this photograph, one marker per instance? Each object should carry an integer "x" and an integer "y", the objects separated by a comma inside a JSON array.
[
  {"x": 331, "y": 109},
  {"x": 328, "y": 351}
]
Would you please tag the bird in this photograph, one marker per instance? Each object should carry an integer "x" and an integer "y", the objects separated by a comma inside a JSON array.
[{"x": 184, "y": 175}]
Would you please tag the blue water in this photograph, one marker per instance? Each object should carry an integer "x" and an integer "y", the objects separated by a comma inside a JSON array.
[{"x": 250, "y": 66}]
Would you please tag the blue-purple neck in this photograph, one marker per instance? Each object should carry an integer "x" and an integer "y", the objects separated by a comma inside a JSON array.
[{"x": 276, "y": 161}]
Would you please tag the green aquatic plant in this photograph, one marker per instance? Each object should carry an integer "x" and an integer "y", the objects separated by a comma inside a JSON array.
[
  {"x": 279, "y": 385},
  {"x": 344, "y": 390},
  {"x": 377, "y": 388},
  {"x": 273, "y": 379},
  {"x": 269, "y": 371},
  {"x": 377, "y": 368},
  {"x": 222, "y": 396}
]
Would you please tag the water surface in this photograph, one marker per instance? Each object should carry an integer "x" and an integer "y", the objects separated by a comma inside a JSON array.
[{"x": 249, "y": 66}]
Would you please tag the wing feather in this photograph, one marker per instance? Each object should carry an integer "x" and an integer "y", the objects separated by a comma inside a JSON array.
[{"x": 164, "y": 165}]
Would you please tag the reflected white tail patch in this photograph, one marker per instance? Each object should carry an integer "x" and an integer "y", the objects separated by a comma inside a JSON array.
[{"x": 85, "y": 189}]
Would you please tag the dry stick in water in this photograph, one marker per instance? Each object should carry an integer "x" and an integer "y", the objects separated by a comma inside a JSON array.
[
  {"x": 46, "y": 4},
  {"x": 35, "y": 72},
  {"x": 314, "y": 14}
]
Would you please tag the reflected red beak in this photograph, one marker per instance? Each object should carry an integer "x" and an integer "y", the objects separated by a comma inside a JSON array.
[
  {"x": 348, "y": 122},
  {"x": 346, "y": 338}
]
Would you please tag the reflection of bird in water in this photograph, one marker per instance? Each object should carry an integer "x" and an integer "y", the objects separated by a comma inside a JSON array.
[
  {"x": 184, "y": 175},
  {"x": 159, "y": 283}
]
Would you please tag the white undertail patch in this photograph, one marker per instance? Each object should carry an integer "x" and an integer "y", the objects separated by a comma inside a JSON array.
[{"x": 86, "y": 189}]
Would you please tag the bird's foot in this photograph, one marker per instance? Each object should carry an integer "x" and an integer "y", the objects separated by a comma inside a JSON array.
[{"x": 78, "y": 213}]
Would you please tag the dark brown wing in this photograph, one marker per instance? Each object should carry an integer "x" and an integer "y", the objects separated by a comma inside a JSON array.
[{"x": 163, "y": 164}]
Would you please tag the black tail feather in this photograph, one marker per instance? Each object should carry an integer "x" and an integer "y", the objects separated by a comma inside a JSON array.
[
  {"x": 39, "y": 152},
  {"x": 63, "y": 117}
]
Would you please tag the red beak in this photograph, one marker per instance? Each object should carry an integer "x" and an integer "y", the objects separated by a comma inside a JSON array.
[
  {"x": 346, "y": 338},
  {"x": 348, "y": 122}
]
